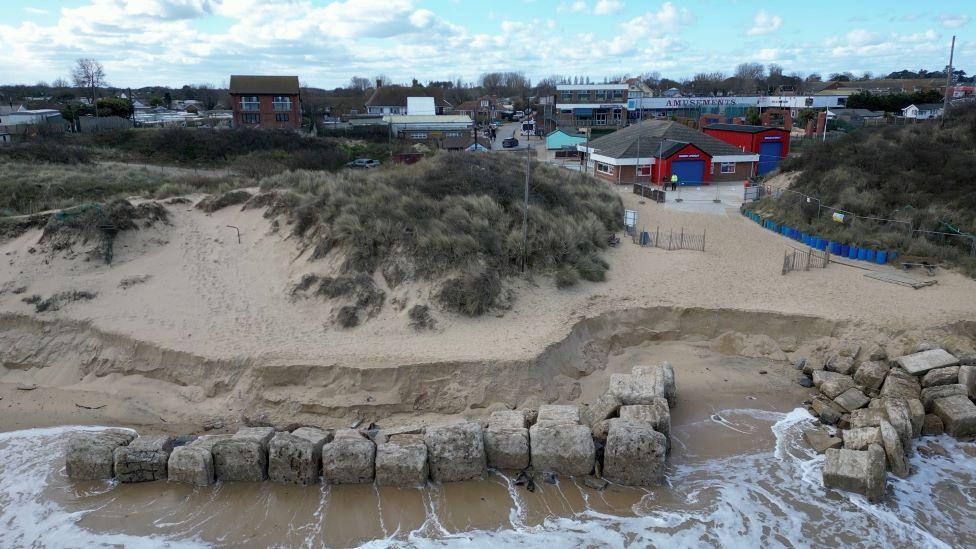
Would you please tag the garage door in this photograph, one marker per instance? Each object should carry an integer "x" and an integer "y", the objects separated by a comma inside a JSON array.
[
  {"x": 769, "y": 156},
  {"x": 689, "y": 172}
]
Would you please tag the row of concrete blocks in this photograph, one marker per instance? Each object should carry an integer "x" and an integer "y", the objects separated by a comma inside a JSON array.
[{"x": 634, "y": 453}]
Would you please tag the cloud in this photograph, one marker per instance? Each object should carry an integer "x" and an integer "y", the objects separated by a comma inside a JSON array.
[
  {"x": 36, "y": 11},
  {"x": 606, "y": 7},
  {"x": 667, "y": 20},
  {"x": 579, "y": 6},
  {"x": 954, "y": 21},
  {"x": 765, "y": 23}
]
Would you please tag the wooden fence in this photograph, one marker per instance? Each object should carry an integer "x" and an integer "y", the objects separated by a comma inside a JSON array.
[
  {"x": 799, "y": 260},
  {"x": 670, "y": 240}
]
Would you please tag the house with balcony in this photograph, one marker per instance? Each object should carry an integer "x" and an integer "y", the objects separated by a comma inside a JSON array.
[
  {"x": 591, "y": 105},
  {"x": 269, "y": 102}
]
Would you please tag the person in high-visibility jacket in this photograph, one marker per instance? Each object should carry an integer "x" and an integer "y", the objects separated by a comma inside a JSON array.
[{"x": 674, "y": 182}]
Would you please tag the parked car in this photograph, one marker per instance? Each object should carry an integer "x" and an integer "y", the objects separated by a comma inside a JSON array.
[
  {"x": 509, "y": 142},
  {"x": 363, "y": 163}
]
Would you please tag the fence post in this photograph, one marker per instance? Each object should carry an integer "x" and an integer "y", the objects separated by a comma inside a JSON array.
[
  {"x": 809, "y": 253},
  {"x": 681, "y": 243},
  {"x": 703, "y": 240}
]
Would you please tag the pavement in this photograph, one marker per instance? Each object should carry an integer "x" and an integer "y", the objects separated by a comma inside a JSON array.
[
  {"x": 511, "y": 129},
  {"x": 714, "y": 199}
]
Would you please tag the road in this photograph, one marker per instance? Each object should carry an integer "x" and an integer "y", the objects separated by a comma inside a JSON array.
[{"x": 511, "y": 129}]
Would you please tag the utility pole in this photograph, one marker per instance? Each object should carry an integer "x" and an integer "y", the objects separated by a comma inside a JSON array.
[
  {"x": 945, "y": 100},
  {"x": 525, "y": 210}
]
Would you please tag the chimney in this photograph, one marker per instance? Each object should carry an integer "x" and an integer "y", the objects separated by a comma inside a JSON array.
[{"x": 378, "y": 83}]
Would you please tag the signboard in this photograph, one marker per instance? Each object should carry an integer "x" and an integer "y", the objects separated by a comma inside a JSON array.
[
  {"x": 786, "y": 101},
  {"x": 838, "y": 217},
  {"x": 689, "y": 155},
  {"x": 771, "y": 138},
  {"x": 630, "y": 219}
]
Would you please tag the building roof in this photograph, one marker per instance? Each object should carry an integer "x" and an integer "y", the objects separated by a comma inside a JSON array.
[
  {"x": 427, "y": 118},
  {"x": 463, "y": 142},
  {"x": 396, "y": 96},
  {"x": 658, "y": 137},
  {"x": 9, "y": 109},
  {"x": 614, "y": 86},
  {"x": 862, "y": 113},
  {"x": 566, "y": 131},
  {"x": 929, "y": 106},
  {"x": 744, "y": 128},
  {"x": 286, "y": 85}
]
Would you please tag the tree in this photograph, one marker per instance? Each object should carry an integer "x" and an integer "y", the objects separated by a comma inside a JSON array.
[
  {"x": 749, "y": 75},
  {"x": 59, "y": 83},
  {"x": 88, "y": 73},
  {"x": 113, "y": 106},
  {"x": 359, "y": 83},
  {"x": 842, "y": 76}
]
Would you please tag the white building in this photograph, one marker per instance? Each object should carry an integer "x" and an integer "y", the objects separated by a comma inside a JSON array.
[{"x": 922, "y": 111}]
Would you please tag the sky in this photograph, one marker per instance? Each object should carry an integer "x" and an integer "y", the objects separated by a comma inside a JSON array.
[{"x": 326, "y": 42}]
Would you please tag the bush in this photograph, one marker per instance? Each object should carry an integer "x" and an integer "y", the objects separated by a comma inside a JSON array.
[
  {"x": 213, "y": 203},
  {"x": 348, "y": 316},
  {"x": 566, "y": 277},
  {"x": 472, "y": 293},
  {"x": 420, "y": 318},
  {"x": 593, "y": 269}
]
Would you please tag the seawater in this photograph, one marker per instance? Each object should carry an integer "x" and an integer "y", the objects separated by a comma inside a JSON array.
[{"x": 741, "y": 478}]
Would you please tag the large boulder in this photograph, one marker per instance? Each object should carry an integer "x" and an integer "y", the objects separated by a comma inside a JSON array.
[
  {"x": 900, "y": 386},
  {"x": 859, "y": 438},
  {"x": 558, "y": 413},
  {"x": 144, "y": 459},
  {"x": 820, "y": 441},
  {"x": 958, "y": 414},
  {"x": 821, "y": 376},
  {"x": 296, "y": 457},
  {"x": 635, "y": 453},
  {"x": 894, "y": 451},
  {"x": 191, "y": 464},
  {"x": 932, "y": 426},
  {"x": 658, "y": 414},
  {"x": 507, "y": 440},
  {"x": 826, "y": 410},
  {"x": 840, "y": 364},
  {"x": 941, "y": 376},
  {"x": 867, "y": 417},
  {"x": 644, "y": 384},
  {"x": 90, "y": 455},
  {"x": 563, "y": 449},
  {"x": 967, "y": 378},
  {"x": 833, "y": 388},
  {"x": 930, "y": 394},
  {"x": 871, "y": 375},
  {"x": 919, "y": 363},
  {"x": 456, "y": 452},
  {"x": 897, "y": 412},
  {"x": 244, "y": 456},
  {"x": 349, "y": 458},
  {"x": 402, "y": 461},
  {"x": 852, "y": 399},
  {"x": 916, "y": 413},
  {"x": 604, "y": 407},
  {"x": 861, "y": 472}
]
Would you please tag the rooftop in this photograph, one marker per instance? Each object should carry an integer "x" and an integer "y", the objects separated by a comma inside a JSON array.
[
  {"x": 657, "y": 139},
  {"x": 560, "y": 87},
  {"x": 744, "y": 128},
  {"x": 427, "y": 118},
  {"x": 394, "y": 96},
  {"x": 286, "y": 85}
]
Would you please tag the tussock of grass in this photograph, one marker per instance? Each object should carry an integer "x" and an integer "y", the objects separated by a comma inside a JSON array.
[
  {"x": 920, "y": 173},
  {"x": 456, "y": 217},
  {"x": 420, "y": 318},
  {"x": 218, "y": 202}
]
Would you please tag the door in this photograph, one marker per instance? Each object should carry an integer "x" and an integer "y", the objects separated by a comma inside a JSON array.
[
  {"x": 769, "y": 157},
  {"x": 689, "y": 172}
]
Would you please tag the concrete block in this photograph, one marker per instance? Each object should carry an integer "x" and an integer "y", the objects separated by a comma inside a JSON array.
[
  {"x": 894, "y": 451},
  {"x": 514, "y": 419},
  {"x": 821, "y": 441},
  {"x": 867, "y": 417},
  {"x": 967, "y": 378},
  {"x": 861, "y": 472},
  {"x": 144, "y": 459},
  {"x": 859, "y": 438},
  {"x": 191, "y": 464},
  {"x": 941, "y": 376},
  {"x": 916, "y": 413},
  {"x": 456, "y": 452},
  {"x": 240, "y": 459},
  {"x": 402, "y": 461},
  {"x": 90, "y": 455},
  {"x": 932, "y": 426},
  {"x": 833, "y": 388},
  {"x": 919, "y": 363},
  {"x": 841, "y": 365},
  {"x": 657, "y": 414},
  {"x": 558, "y": 413},
  {"x": 899, "y": 386},
  {"x": 871, "y": 375},
  {"x": 564, "y": 449},
  {"x": 821, "y": 376},
  {"x": 350, "y": 458},
  {"x": 930, "y": 394},
  {"x": 826, "y": 410},
  {"x": 635, "y": 453},
  {"x": 604, "y": 407},
  {"x": 644, "y": 384},
  {"x": 507, "y": 447},
  {"x": 296, "y": 457},
  {"x": 958, "y": 414},
  {"x": 852, "y": 399}
]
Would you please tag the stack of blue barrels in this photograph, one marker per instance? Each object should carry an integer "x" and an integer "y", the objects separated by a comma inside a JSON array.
[{"x": 836, "y": 248}]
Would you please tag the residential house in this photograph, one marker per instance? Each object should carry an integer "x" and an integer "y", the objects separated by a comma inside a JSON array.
[
  {"x": 265, "y": 102},
  {"x": 487, "y": 106},
  {"x": 465, "y": 143},
  {"x": 856, "y": 117},
  {"x": 429, "y": 128},
  {"x": 7, "y": 109},
  {"x": 654, "y": 150},
  {"x": 32, "y": 117},
  {"x": 392, "y": 100},
  {"x": 923, "y": 111},
  {"x": 585, "y": 105}
]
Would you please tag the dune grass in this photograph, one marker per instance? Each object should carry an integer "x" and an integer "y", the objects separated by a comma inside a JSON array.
[{"x": 453, "y": 218}]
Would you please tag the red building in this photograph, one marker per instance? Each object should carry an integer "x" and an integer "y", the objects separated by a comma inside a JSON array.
[
  {"x": 266, "y": 102},
  {"x": 771, "y": 144}
]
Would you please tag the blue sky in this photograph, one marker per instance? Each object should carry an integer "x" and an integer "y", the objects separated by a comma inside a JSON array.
[{"x": 173, "y": 42}]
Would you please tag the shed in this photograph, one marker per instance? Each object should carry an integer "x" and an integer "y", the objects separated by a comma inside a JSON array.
[
  {"x": 563, "y": 139},
  {"x": 771, "y": 144}
]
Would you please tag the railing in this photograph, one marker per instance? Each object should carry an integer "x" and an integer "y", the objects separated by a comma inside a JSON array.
[
  {"x": 796, "y": 260},
  {"x": 671, "y": 240}
]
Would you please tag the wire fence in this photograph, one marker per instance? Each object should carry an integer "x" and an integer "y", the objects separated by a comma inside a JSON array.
[
  {"x": 670, "y": 240},
  {"x": 799, "y": 260}
]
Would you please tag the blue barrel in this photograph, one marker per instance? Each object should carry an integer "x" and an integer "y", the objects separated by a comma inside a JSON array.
[
  {"x": 881, "y": 258},
  {"x": 645, "y": 238},
  {"x": 871, "y": 255},
  {"x": 862, "y": 253},
  {"x": 892, "y": 256},
  {"x": 844, "y": 250},
  {"x": 852, "y": 252},
  {"x": 805, "y": 238},
  {"x": 821, "y": 244},
  {"x": 835, "y": 248}
]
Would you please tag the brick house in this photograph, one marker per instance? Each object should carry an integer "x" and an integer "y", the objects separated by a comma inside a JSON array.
[
  {"x": 393, "y": 99},
  {"x": 586, "y": 105},
  {"x": 265, "y": 102}
]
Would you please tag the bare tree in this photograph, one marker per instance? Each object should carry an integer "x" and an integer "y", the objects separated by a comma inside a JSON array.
[
  {"x": 60, "y": 82},
  {"x": 359, "y": 83},
  {"x": 749, "y": 75},
  {"x": 89, "y": 73},
  {"x": 707, "y": 83}
]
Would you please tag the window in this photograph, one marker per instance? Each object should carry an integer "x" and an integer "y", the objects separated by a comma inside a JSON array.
[
  {"x": 583, "y": 95},
  {"x": 604, "y": 168},
  {"x": 728, "y": 167},
  {"x": 250, "y": 103},
  {"x": 282, "y": 103},
  {"x": 566, "y": 95},
  {"x": 644, "y": 171},
  {"x": 418, "y": 135},
  {"x": 251, "y": 118},
  {"x": 601, "y": 95},
  {"x": 452, "y": 134},
  {"x": 566, "y": 111},
  {"x": 281, "y": 117},
  {"x": 618, "y": 94}
]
